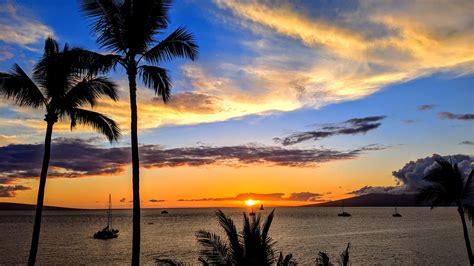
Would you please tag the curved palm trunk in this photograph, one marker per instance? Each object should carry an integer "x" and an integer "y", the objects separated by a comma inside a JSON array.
[
  {"x": 39, "y": 202},
  {"x": 132, "y": 73},
  {"x": 466, "y": 234}
]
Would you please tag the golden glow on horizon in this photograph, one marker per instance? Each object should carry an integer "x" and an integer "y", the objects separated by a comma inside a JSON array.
[{"x": 250, "y": 202}]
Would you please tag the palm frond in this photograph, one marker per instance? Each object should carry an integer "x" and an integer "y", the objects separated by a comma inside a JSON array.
[
  {"x": 468, "y": 185},
  {"x": 92, "y": 63},
  {"x": 232, "y": 235},
  {"x": 323, "y": 259},
  {"x": 107, "y": 23},
  {"x": 50, "y": 46},
  {"x": 158, "y": 79},
  {"x": 285, "y": 260},
  {"x": 89, "y": 90},
  {"x": 180, "y": 43},
  {"x": 435, "y": 194},
  {"x": 17, "y": 86},
  {"x": 469, "y": 208},
  {"x": 267, "y": 224},
  {"x": 213, "y": 249},
  {"x": 99, "y": 122},
  {"x": 344, "y": 257},
  {"x": 168, "y": 262}
]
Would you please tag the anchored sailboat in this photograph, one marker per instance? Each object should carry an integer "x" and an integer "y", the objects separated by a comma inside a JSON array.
[
  {"x": 343, "y": 213},
  {"x": 108, "y": 232},
  {"x": 396, "y": 214}
]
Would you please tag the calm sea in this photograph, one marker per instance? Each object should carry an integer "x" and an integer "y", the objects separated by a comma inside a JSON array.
[{"x": 420, "y": 237}]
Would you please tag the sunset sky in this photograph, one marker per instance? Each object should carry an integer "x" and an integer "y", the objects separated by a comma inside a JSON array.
[{"x": 294, "y": 103}]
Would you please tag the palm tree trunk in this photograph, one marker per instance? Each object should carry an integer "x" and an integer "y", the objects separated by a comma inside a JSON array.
[
  {"x": 466, "y": 234},
  {"x": 132, "y": 73},
  {"x": 39, "y": 201}
]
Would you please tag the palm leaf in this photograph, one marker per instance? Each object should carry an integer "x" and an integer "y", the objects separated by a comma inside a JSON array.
[
  {"x": 468, "y": 186},
  {"x": 180, "y": 43},
  {"x": 344, "y": 257},
  {"x": 158, "y": 79},
  {"x": 93, "y": 63},
  {"x": 98, "y": 121},
  {"x": 323, "y": 259},
  {"x": 213, "y": 248},
  {"x": 17, "y": 86},
  {"x": 90, "y": 90},
  {"x": 232, "y": 236}
]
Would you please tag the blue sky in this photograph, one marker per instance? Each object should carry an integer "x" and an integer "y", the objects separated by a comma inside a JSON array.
[{"x": 268, "y": 70}]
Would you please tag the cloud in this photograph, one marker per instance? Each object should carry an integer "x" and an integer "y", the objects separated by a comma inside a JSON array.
[
  {"x": 123, "y": 199},
  {"x": 371, "y": 189},
  {"x": 296, "y": 196},
  {"x": 72, "y": 158},
  {"x": 349, "y": 127},
  {"x": 425, "y": 107},
  {"x": 451, "y": 116},
  {"x": 466, "y": 142},
  {"x": 18, "y": 28},
  {"x": 156, "y": 200},
  {"x": 5, "y": 55},
  {"x": 410, "y": 177},
  {"x": 408, "y": 121},
  {"x": 10, "y": 191}
]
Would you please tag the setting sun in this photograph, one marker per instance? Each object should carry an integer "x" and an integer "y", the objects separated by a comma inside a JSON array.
[{"x": 250, "y": 202}]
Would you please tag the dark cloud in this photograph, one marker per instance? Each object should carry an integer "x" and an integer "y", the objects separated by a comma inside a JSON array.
[
  {"x": 425, "y": 107},
  {"x": 410, "y": 177},
  {"x": 10, "y": 191},
  {"x": 467, "y": 142},
  {"x": 71, "y": 158},
  {"x": 451, "y": 116},
  {"x": 123, "y": 199},
  {"x": 349, "y": 127},
  {"x": 156, "y": 200},
  {"x": 297, "y": 196}
]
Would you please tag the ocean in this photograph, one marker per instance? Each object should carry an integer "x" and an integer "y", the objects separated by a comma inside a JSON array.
[{"x": 421, "y": 237}]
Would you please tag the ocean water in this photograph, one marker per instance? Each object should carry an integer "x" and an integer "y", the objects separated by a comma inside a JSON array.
[{"x": 420, "y": 237}]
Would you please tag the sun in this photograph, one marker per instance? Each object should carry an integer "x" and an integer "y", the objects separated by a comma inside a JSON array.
[{"x": 250, "y": 202}]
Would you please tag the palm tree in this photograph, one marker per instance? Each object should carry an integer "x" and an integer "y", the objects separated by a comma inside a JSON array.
[
  {"x": 128, "y": 28},
  {"x": 61, "y": 85},
  {"x": 252, "y": 246},
  {"x": 446, "y": 185}
]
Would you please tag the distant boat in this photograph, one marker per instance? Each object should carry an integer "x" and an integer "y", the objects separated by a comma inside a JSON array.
[
  {"x": 261, "y": 207},
  {"x": 396, "y": 214},
  {"x": 343, "y": 213},
  {"x": 108, "y": 232},
  {"x": 164, "y": 212}
]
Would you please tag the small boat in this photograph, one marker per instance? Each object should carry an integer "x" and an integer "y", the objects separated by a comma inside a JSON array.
[
  {"x": 164, "y": 212},
  {"x": 108, "y": 232},
  {"x": 396, "y": 214},
  {"x": 261, "y": 207},
  {"x": 343, "y": 213}
]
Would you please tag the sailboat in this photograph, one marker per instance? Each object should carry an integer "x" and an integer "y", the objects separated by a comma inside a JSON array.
[
  {"x": 261, "y": 207},
  {"x": 396, "y": 214},
  {"x": 343, "y": 213},
  {"x": 108, "y": 232}
]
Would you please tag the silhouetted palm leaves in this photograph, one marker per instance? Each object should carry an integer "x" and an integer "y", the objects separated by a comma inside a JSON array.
[
  {"x": 252, "y": 246},
  {"x": 129, "y": 28},
  {"x": 63, "y": 82},
  {"x": 446, "y": 185},
  {"x": 323, "y": 258}
]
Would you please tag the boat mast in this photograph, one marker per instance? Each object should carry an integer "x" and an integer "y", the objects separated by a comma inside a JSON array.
[{"x": 109, "y": 214}]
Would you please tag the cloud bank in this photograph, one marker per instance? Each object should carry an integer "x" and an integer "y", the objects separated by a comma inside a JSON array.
[
  {"x": 10, "y": 191},
  {"x": 73, "y": 158},
  {"x": 296, "y": 196},
  {"x": 451, "y": 116}
]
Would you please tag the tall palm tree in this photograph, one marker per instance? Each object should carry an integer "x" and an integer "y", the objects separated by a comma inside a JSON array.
[
  {"x": 252, "y": 246},
  {"x": 128, "y": 28},
  {"x": 446, "y": 185},
  {"x": 61, "y": 85}
]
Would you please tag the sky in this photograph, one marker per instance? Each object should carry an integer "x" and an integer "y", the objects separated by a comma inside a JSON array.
[{"x": 288, "y": 103}]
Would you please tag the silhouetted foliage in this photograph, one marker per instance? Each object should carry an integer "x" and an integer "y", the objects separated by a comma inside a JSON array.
[
  {"x": 285, "y": 260},
  {"x": 128, "y": 28},
  {"x": 446, "y": 185},
  {"x": 252, "y": 246},
  {"x": 63, "y": 82},
  {"x": 323, "y": 258}
]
